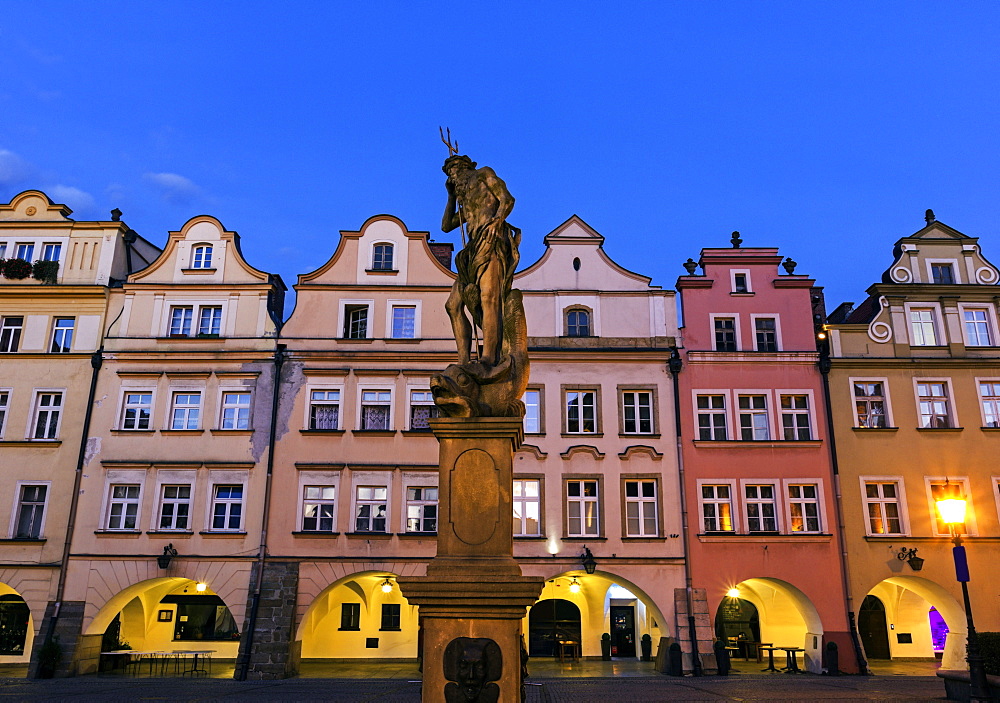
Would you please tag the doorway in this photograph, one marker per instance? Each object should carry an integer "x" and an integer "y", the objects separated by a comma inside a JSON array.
[
  {"x": 737, "y": 620},
  {"x": 14, "y": 616},
  {"x": 551, "y": 621},
  {"x": 872, "y": 628},
  {"x": 622, "y": 631}
]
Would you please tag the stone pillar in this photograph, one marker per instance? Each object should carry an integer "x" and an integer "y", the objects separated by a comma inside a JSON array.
[
  {"x": 79, "y": 654},
  {"x": 473, "y": 589},
  {"x": 703, "y": 629},
  {"x": 272, "y": 655}
]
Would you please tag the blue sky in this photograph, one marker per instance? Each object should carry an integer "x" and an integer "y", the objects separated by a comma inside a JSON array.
[{"x": 823, "y": 128}]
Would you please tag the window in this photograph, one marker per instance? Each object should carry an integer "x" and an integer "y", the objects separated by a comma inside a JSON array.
[
  {"x": 581, "y": 412},
  {"x": 582, "y": 509},
  {"x": 753, "y": 417},
  {"x": 62, "y": 335},
  {"x": 933, "y": 404},
  {"x": 922, "y": 325},
  {"x": 390, "y": 616},
  {"x": 4, "y": 407},
  {"x": 422, "y": 410},
  {"x": 185, "y": 413},
  {"x": 3, "y": 250},
  {"x": 532, "y": 400},
  {"x": 803, "y": 507},
  {"x": 180, "y": 321},
  {"x": 942, "y": 273},
  {"x": 382, "y": 257},
  {"x": 227, "y": 508},
  {"x": 725, "y": 334},
  {"x": 175, "y": 507},
  {"x": 977, "y": 328},
  {"x": 717, "y": 508},
  {"x": 577, "y": 323},
  {"x": 324, "y": 410},
  {"x": 123, "y": 507},
  {"x": 760, "y": 504},
  {"x": 882, "y": 503},
  {"x": 50, "y": 252},
  {"x": 376, "y": 407},
  {"x": 640, "y": 509},
  {"x": 795, "y": 417},
  {"x": 740, "y": 283},
  {"x": 766, "y": 334},
  {"x": 527, "y": 507},
  {"x": 989, "y": 395},
  {"x": 137, "y": 410},
  {"x": 637, "y": 412},
  {"x": 421, "y": 509},
  {"x": 203, "y": 618},
  {"x": 30, "y": 509},
  {"x": 869, "y": 404},
  {"x": 356, "y": 322},
  {"x": 939, "y": 492},
  {"x": 24, "y": 251},
  {"x": 10, "y": 333},
  {"x": 404, "y": 319},
  {"x": 48, "y": 410},
  {"x": 235, "y": 411},
  {"x": 712, "y": 417},
  {"x": 318, "y": 509},
  {"x": 210, "y": 321},
  {"x": 201, "y": 257},
  {"x": 350, "y": 616},
  {"x": 370, "y": 509}
]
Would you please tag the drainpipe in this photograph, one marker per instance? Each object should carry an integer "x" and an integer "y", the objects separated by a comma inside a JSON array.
[
  {"x": 243, "y": 664},
  {"x": 675, "y": 364},
  {"x": 824, "y": 368}
]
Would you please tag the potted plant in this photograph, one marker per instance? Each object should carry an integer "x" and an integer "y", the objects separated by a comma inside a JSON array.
[
  {"x": 45, "y": 271},
  {"x": 606, "y": 646},
  {"x": 16, "y": 269},
  {"x": 647, "y": 648}
]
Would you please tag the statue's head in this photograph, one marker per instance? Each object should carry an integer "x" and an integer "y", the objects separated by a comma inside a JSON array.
[{"x": 457, "y": 164}]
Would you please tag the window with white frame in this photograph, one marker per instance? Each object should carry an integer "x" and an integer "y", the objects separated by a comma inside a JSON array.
[
  {"x": 235, "y": 410},
  {"x": 532, "y": 400},
  {"x": 51, "y": 251},
  {"x": 977, "y": 327},
  {"x": 62, "y": 335},
  {"x": 869, "y": 404},
  {"x": 527, "y": 507},
  {"x": 766, "y": 334},
  {"x": 370, "y": 509},
  {"x": 725, "y": 334},
  {"x": 422, "y": 410},
  {"x": 180, "y": 320},
  {"x": 803, "y": 507},
  {"x": 30, "y": 511},
  {"x": 324, "y": 410},
  {"x": 641, "y": 508},
  {"x": 25, "y": 251},
  {"x": 48, "y": 412},
  {"x": 227, "y": 508},
  {"x": 319, "y": 508},
  {"x": 201, "y": 256},
  {"x": 3, "y": 250},
  {"x": 123, "y": 506},
  {"x": 4, "y": 409},
  {"x": 939, "y": 490},
  {"x": 10, "y": 333},
  {"x": 376, "y": 409},
  {"x": 882, "y": 505},
  {"x": 421, "y": 508},
  {"x": 717, "y": 508},
  {"x": 404, "y": 320},
  {"x": 753, "y": 417},
  {"x": 355, "y": 321},
  {"x": 922, "y": 327},
  {"x": 712, "y": 417},
  {"x": 137, "y": 410},
  {"x": 741, "y": 282},
  {"x": 581, "y": 412},
  {"x": 175, "y": 507},
  {"x": 989, "y": 396},
  {"x": 637, "y": 412},
  {"x": 578, "y": 323},
  {"x": 795, "y": 417},
  {"x": 382, "y": 257},
  {"x": 760, "y": 506},
  {"x": 185, "y": 410},
  {"x": 582, "y": 509},
  {"x": 933, "y": 404},
  {"x": 209, "y": 321}
]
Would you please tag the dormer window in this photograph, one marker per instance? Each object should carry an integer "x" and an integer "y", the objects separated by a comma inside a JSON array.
[
  {"x": 201, "y": 256},
  {"x": 382, "y": 257},
  {"x": 578, "y": 323},
  {"x": 942, "y": 273},
  {"x": 739, "y": 283}
]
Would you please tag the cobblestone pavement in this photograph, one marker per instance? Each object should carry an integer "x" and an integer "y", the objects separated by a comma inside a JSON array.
[{"x": 595, "y": 690}]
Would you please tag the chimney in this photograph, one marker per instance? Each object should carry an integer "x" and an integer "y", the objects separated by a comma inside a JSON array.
[{"x": 442, "y": 252}]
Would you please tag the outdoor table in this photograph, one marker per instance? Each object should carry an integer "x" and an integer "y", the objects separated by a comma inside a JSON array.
[
  {"x": 792, "y": 666},
  {"x": 196, "y": 653},
  {"x": 752, "y": 649},
  {"x": 770, "y": 657},
  {"x": 569, "y": 647},
  {"x": 126, "y": 654}
]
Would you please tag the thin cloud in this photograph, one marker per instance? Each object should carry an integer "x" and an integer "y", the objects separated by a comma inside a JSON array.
[
  {"x": 13, "y": 169},
  {"x": 173, "y": 188},
  {"x": 74, "y": 197}
]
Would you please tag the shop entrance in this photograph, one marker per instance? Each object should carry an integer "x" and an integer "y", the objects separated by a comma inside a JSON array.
[
  {"x": 873, "y": 629},
  {"x": 622, "y": 631}
]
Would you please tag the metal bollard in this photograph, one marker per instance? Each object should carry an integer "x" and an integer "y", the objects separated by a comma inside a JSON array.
[
  {"x": 676, "y": 660},
  {"x": 722, "y": 658},
  {"x": 831, "y": 660}
]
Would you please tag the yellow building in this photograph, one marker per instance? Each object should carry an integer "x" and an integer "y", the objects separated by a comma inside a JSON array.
[{"x": 915, "y": 390}]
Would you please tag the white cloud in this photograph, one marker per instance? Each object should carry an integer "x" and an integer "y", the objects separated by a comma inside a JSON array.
[
  {"x": 68, "y": 195},
  {"x": 13, "y": 169},
  {"x": 173, "y": 188}
]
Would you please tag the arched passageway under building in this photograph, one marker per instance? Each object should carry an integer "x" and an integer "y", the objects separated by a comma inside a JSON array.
[{"x": 16, "y": 627}]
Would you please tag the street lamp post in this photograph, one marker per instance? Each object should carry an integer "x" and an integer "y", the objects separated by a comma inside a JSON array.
[{"x": 951, "y": 507}]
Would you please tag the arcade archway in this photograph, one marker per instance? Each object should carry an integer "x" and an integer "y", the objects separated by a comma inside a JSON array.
[{"x": 16, "y": 627}]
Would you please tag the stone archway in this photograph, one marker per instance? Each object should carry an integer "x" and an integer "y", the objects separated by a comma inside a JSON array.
[{"x": 17, "y": 632}]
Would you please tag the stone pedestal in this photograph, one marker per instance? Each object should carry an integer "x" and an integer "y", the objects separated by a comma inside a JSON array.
[{"x": 473, "y": 588}]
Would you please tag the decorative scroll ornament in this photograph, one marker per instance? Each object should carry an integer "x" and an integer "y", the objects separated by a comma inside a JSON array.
[
  {"x": 879, "y": 331},
  {"x": 986, "y": 275},
  {"x": 901, "y": 274}
]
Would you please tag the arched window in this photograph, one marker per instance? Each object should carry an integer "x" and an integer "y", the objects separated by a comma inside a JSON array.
[
  {"x": 201, "y": 256},
  {"x": 578, "y": 323},
  {"x": 382, "y": 257}
]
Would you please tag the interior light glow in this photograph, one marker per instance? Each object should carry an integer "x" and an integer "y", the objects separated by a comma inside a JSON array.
[{"x": 200, "y": 587}]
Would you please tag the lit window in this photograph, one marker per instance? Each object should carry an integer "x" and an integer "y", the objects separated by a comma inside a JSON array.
[
  {"x": 717, "y": 508},
  {"x": 766, "y": 333},
  {"x": 227, "y": 508},
  {"x": 753, "y": 417},
  {"x": 869, "y": 404},
  {"x": 421, "y": 509},
  {"x": 62, "y": 335},
  {"x": 356, "y": 322},
  {"x": 210, "y": 321},
  {"x": 637, "y": 409},
  {"x": 641, "y": 509},
  {"x": 235, "y": 411},
  {"x": 725, "y": 334},
  {"x": 390, "y": 616},
  {"x": 942, "y": 273},
  {"x": 324, "y": 410},
  {"x": 185, "y": 413},
  {"x": 201, "y": 257},
  {"x": 532, "y": 400},
  {"x": 803, "y": 507},
  {"x": 422, "y": 410},
  {"x": 376, "y": 407},
  {"x": 577, "y": 323},
  {"x": 581, "y": 412},
  {"x": 123, "y": 507},
  {"x": 712, "y": 417},
  {"x": 51, "y": 252},
  {"x": 760, "y": 508},
  {"x": 582, "y": 509},
  {"x": 48, "y": 411},
  {"x": 922, "y": 325},
  {"x": 180, "y": 320},
  {"x": 882, "y": 503},
  {"x": 10, "y": 333},
  {"x": 25, "y": 251},
  {"x": 30, "y": 509},
  {"x": 137, "y": 410},
  {"x": 933, "y": 404},
  {"x": 404, "y": 319},
  {"x": 527, "y": 507},
  {"x": 989, "y": 395},
  {"x": 795, "y": 417},
  {"x": 370, "y": 509},
  {"x": 318, "y": 509},
  {"x": 382, "y": 257},
  {"x": 175, "y": 507},
  {"x": 977, "y": 328}
]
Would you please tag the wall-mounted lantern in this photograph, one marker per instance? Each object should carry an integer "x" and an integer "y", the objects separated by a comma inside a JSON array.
[
  {"x": 588, "y": 561},
  {"x": 163, "y": 561},
  {"x": 911, "y": 558}
]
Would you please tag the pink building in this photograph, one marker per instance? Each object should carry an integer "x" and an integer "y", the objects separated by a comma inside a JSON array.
[{"x": 760, "y": 491}]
